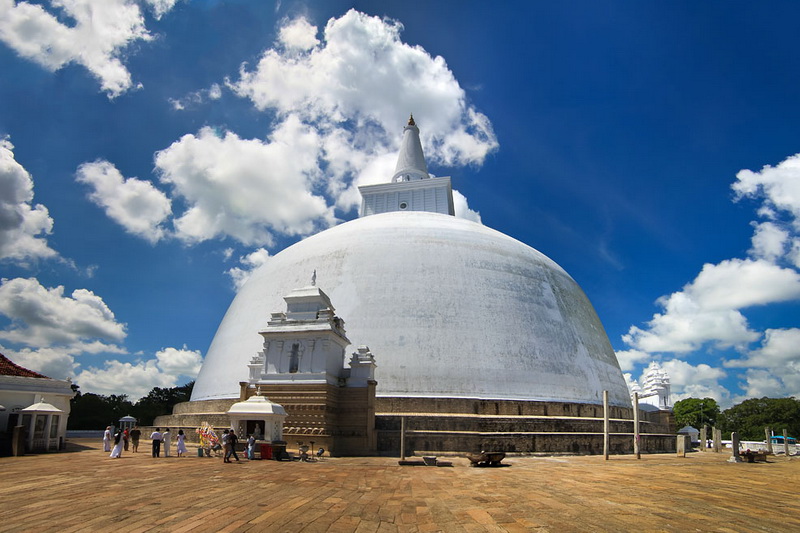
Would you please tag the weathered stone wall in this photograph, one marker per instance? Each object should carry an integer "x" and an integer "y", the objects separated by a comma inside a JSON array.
[{"x": 344, "y": 421}]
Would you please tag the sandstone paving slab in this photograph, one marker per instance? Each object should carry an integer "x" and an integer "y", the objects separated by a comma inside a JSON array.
[{"x": 82, "y": 489}]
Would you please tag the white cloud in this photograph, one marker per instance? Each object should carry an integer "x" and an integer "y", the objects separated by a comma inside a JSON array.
[
  {"x": 299, "y": 35},
  {"x": 759, "y": 383},
  {"x": 462, "y": 208},
  {"x": 139, "y": 378},
  {"x": 769, "y": 241},
  {"x": 708, "y": 310},
  {"x": 135, "y": 204},
  {"x": 690, "y": 381},
  {"x": 95, "y": 34},
  {"x": 197, "y": 97},
  {"x": 251, "y": 262},
  {"x": 161, "y": 7},
  {"x": 22, "y": 225},
  {"x": 778, "y": 348},
  {"x": 246, "y": 189},
  {"x": 179, "y": 361},
  {"x": 56, "y": 363},
  {"x": 356, "y": 88},
  {"x": 628, "y": 358},
  {"x": 42, "y": 317},
  {"x": 779, "y": 187}
]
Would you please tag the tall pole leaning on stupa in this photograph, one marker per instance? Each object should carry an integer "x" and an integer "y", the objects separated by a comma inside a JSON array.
[
  {"x": 636, "y": 450},
  {"x": 605, "y": 424}
]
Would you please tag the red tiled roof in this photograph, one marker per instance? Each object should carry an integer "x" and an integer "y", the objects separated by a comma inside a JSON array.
[{"x": 8, "y": 368}]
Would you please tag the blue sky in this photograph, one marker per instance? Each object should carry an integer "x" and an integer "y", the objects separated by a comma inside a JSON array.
[{"x": 154, "y": 152}]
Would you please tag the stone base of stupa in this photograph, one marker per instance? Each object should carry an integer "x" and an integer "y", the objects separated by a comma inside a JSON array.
[{"x": 450, "y": 425}]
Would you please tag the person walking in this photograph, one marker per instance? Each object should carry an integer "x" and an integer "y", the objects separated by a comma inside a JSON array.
[
  {"x": 107, "y": 439},
  {"x": 225, "y": 447},
  {"x": 125, "y": 438},
  {"x": 232, "y": 441},
  {"x": 181, "y": 443},
  {"x": 156, "y": 437},
  {"x": 135, "y": 434},
  {"x": 167, "y": 439},
  {"x": 117, "y": 451}
]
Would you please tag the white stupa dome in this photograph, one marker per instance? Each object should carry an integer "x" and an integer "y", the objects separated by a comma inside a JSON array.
[{"x": 451, "y": 309}]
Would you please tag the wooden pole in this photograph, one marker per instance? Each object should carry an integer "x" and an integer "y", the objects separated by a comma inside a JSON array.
[
  {"x": 605, "y": 424},
  {"x": 636, "y": 425},
  {"x": 402, "y": 438}
]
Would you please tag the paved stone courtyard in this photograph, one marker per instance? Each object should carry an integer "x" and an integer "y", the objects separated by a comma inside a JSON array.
[{"x": 82, "y": 489}]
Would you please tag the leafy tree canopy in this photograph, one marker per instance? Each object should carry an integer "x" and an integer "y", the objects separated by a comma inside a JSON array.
[
  {"x": 696, "y": 412},
  {"x": 93, "y": 411},
  {"x": 751, "y": 417}
]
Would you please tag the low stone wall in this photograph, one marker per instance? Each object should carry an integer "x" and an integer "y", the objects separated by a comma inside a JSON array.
[
  {"x": 445, "y": 425},
  {"x": 543, "y": 435}
]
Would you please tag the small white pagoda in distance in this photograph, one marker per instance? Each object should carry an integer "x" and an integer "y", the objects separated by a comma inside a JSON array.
[{"x": 655, "y": 388}]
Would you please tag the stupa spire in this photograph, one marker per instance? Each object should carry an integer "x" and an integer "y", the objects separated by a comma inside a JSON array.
[{"x": 410, "y": 161}]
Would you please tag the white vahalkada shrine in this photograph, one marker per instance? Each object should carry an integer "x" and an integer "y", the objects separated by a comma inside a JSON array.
[{"x": 480, "y": 341}]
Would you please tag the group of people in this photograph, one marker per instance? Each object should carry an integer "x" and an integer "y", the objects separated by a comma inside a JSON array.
[
  {"x": 158, "y": 437},
  {"x": 121, "y": 438},
  {"x": 229, "y": 441}
]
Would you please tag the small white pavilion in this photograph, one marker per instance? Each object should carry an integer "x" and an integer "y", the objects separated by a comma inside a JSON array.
[
  {"x": 42, "y": 423},
  {"x": 38, "y": 403},
  {"x": 259, "y": 417}
]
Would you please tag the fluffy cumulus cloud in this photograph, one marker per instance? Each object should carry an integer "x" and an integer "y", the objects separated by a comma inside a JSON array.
[
  {"x": 42, "y": 317},
  {"x": 23, "y": 226},
  {"x": 135, "y": 204},
  {"x": 56, "y": 363},
  {"x": 91, "y": 33},
  {"x": 710, "y": 312},
  {"x": 138, "y": 378},
  {"x": 249, "y": 262},
  {"x": 629, "y": 358},
  {"x": 690, "y": 381},
  {"x": 339, "y": 102},
  {"x": 50, "y": 332},
  {"x": 244, "y": 188},
  {"x": 355, "y": 84}
]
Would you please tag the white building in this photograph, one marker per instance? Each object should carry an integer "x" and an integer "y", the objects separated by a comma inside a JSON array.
[{"x": 39, "y": 403}]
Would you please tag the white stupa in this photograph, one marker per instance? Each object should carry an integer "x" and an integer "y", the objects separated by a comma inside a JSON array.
[{"x": 455, "y": 310}]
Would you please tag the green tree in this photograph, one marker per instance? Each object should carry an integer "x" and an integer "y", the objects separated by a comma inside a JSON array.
[
  {"x": 695, "y": 412},
  {"x": 160, "y": 401},
  {"x": 94, "y": 411},
  {"x": 750, "y": 417}
]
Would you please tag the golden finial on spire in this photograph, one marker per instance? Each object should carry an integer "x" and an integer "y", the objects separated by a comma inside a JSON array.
[{"x": 411, "y": 121}]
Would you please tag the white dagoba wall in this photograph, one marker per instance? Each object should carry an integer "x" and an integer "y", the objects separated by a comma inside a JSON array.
[{"x": 453, "y": 308}]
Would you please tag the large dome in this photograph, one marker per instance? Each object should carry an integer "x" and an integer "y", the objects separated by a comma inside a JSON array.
[{"x": 449, "y": 307}]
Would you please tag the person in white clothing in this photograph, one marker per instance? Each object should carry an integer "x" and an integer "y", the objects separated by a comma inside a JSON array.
[
  {"x": 166, "y": 438},
  {"x": 107, "y": 439},
  {"x": 118, "y": 443},
  {"x": 181, "y": 443}
]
